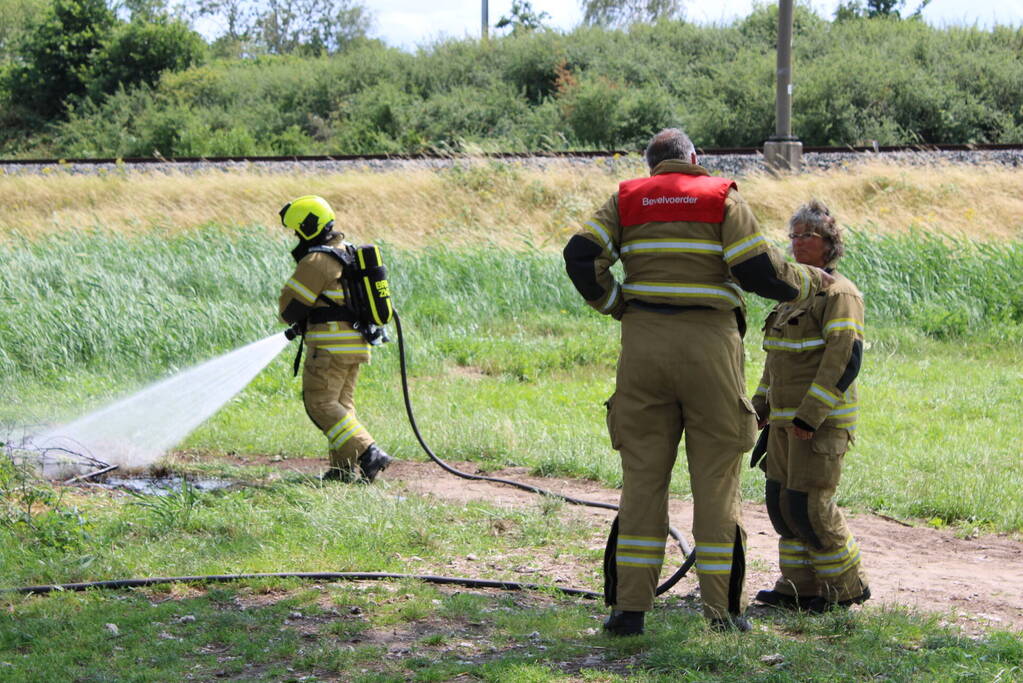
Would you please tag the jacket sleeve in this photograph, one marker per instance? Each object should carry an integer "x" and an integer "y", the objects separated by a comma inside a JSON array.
[
  {"x": 589, "y": 255},
  {"x": 299, "y": 293},
  {"x": 843, "y": 351},
  {"x": 757, "y": 266},
  {"x": 759, "y": 400}
]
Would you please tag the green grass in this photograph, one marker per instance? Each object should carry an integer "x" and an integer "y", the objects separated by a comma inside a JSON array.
[
  {"x": 285, "y": 630},
  {"x": 509, "y": 368}
]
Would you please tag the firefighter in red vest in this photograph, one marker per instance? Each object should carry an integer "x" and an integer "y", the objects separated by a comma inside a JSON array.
[{"x": 689, "y": 244}]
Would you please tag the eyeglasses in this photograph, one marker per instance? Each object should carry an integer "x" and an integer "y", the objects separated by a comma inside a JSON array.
[{"x": 802, "y": 235}]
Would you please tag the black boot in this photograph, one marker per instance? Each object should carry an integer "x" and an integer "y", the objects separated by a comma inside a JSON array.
[
  {"x": 821, "y": 605},
  {"x": 345, "y": 475},
  {"x": 784, "y": 600},
  {"x": 372, "y": 462},
  {"x": 731, "y": 623},
  {"x": 622, "y": 623}
]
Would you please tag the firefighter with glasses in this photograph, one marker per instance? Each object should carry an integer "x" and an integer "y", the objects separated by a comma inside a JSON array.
[
  {"x": 689, "y": 245},
  {"x": 313, "y": 299},
  {"x": 807, "y": 400}
]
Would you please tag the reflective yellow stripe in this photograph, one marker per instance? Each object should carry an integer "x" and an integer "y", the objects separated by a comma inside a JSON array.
[
  {"x": 844, "y": 411},
  {"x": 335, "y": 295},
  {"x": 346, "y": 349},
  {"x": 611, "y": 299},
  {"x": 838, "y": 562},
  {"x": 714, "y": 558},
  {"x": 332, "y": 336},
  {"x": 743, "y": 246},
  {"x": 683, "y": 290},
  {"x": 794, "y": 345},
  {"x": 672, "y": 246},
  {"x": 843, "y": 324},
  {"x": 600, "y": 232},
  {"x": 823, "y": 395},
  {"x": 804, "y": 283},
  {"x": 301, "y": 290},
  {"x": 761, "y": 390},
  {"x": 340, "y": 425}
]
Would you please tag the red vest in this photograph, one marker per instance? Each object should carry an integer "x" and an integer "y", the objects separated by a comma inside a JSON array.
[{"x": 670, "y": 197}]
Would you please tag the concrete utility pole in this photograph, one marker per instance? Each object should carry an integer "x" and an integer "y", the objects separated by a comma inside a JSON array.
[
  {"x": 485, "y": 21},
  {"x": 783, "y": 152}
]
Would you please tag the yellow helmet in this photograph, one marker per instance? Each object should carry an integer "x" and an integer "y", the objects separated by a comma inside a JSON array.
[{"x": 309, "y": 216}]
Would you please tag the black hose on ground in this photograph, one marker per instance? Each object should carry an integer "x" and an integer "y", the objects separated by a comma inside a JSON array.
[
  {"x": 683, "y": 545},
  {"x": 316, "y": 576}
]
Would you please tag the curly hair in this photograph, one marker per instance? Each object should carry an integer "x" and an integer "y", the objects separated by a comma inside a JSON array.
[{"x": 816, "y": 217}]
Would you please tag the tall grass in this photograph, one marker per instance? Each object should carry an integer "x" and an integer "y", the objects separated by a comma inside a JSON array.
[
  {"x": 498, "y": 339},
  {"x": 502, "y": 203},
  {"x": 109, "y": 302}
]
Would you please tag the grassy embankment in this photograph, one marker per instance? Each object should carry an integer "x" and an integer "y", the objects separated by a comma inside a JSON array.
[{"x": 94, "y": 313}]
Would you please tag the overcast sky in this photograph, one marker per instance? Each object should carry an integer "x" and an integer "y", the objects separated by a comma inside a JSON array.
[{"x": 408, "y": 23}]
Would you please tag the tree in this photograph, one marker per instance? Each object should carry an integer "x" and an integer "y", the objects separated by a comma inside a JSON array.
[
  {"x": 57, "y": 57},
  {"x": 876, "y": 8},
  {"x": 139, "y": 51},
  {"x": 523, "y": 18},
  {"x": 19, "y": 16},
  {"x": 620, "y": 13},
  {"x": 309, "y": 27}
]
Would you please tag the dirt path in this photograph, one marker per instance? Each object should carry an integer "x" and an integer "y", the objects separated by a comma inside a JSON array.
[{"x": 976, "y": 583}]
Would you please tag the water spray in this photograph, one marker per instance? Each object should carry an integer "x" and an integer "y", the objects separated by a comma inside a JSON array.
[{"x": 135, "y": 431}]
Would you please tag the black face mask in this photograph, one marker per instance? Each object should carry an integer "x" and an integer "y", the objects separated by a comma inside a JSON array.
[{"x": 300, "y": 251}]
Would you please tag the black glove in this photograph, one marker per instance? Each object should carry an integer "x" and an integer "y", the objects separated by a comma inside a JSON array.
[{"x": 760, "y": 448}]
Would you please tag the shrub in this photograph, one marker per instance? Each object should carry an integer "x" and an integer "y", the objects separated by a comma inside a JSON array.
[{"x": 139, "y": 52}]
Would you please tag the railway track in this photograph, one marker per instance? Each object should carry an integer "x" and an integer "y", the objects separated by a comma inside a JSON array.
[{"x": 733, "y": 160}]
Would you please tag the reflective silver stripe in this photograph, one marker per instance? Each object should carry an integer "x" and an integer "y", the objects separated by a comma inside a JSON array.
[
  {"x": 737, "y": 249},
  {"x": 351, "y": 349},
  {"x": 779, "y": 344},
  {"x": 333, "y": 336},
  {"x": 640, "y": 541},
  {"x": 301, "y": 290},
  {"x": 846, "y": 409},
  {"x": 685, "y": 246},
  {"x": 804, "y": 285},
  {"x": 334, "y": 294},
  {"x": 343, "y": 437},
  {"x": 599, "y": 230},
  {"x": 843, "y": 324},
  {"x": 630, "y": 559},
  {"x": 346, "y": 420},
  {"x": 761, "y": 390},
  {"x": 682, "y": 290},
  {"x": 825, "y": 396},
  {"x": 611, "y": 299}
]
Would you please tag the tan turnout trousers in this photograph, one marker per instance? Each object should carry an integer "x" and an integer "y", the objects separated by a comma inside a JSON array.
[
  {"x": 828, "y": 565},
  {"x": 681, "y": 373},
  {"x": 328, "y": 391}
]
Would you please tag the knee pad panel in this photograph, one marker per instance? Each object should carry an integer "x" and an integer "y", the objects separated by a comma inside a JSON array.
[
  {"x": 799, "y": 512},
  {"x": 772, "y": 496}
]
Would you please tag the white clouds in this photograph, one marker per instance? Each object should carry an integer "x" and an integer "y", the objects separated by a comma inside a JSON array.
[{"x": 409, "y": 23}]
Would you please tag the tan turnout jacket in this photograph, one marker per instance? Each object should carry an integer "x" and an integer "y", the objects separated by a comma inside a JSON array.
[
  {"x": 318, "y": 276},
  {"x": 810, "y": 345}
]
